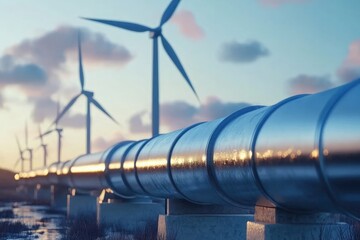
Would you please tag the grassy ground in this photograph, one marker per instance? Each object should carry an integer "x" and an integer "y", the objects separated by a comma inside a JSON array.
[
  {"x": 86, "y": 228},
  {"x": 12, "y": 227}
]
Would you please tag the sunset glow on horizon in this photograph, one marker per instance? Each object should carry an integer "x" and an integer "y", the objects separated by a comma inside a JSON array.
[{"x": 235, "y": 54}]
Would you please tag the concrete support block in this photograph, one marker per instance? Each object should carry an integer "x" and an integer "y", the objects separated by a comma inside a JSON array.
[
  {"x": 185, "y": 220},
  {"x": 59, "y": 198},
  {"x": 129, "y": 215},
  {"x": 81, "y": 206},
  {"x": 274, "y": 224},
  {"x": 42, "y": 195},
  {"x": 316, "y": 231},
  {"x": 203, "y": 226}
]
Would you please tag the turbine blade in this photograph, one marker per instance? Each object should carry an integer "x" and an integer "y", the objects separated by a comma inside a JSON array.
[
  {"x": 81, "y": 72},
  {"x": 67, "y": 107},
  {"x": 40, "y": 135},
  {"x": 18, "y": 143},
  {"x": 17, "y": 162},
  {"x": 97, "y": 104},
  {"x": 169, "y": 11},
  {"x": 57, "y": 108},
  {"x": 48, "y": 132},
  {"x": 125, "y": 25},
  {"x": 171, "y": 53}
]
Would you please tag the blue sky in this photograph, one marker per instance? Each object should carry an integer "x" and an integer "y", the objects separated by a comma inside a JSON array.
[{"x": 235, "y": 53}]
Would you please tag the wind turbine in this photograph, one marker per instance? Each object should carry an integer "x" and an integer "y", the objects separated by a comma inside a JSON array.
[
  {"x": 27, "y": 149},
  {"x": 155, "y": 33},
  {"x": 90, "y": 100},
  {"x": 58, "y": 131},
  {"x": 43, "y": 146},
  {"x": 21, "y": 155}
]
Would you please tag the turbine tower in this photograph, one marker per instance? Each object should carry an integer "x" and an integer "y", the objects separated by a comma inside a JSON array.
[
  {"x": 155, "y": 33},
  {"x": 90, "y": 100},
  {"x": 43, "y": 146},
  {"x": 21, "y": 155},
  {"x": 58, "y": 131}
]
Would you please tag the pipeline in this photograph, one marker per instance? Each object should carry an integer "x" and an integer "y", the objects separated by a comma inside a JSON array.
[{"x": 301, "y": 154}]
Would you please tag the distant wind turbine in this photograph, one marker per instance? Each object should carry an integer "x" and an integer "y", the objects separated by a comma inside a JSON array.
[
  {"x": 90, "y": 100},
  {"x": 27, "y": 149},
  {"x": 43, "y": 146},
  {"x": 21, "y": 158},
  {"x": 154, "y": 34},
  {"x": 58, "y": 131}
]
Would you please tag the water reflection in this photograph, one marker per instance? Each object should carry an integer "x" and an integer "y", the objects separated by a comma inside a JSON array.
[{"x": 43, "y": 223}]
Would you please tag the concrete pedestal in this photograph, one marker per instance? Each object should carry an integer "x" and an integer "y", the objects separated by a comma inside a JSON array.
[
  {"x": 81, "y": 206},
  {"x": 205, "y": 226},
  {"x": 274, "y": 224},
  {"x": 187, "y": 221},
  {"x": 59, "y": 198},
  {"x": 129, "y": 215},
  {"x": 42, "y": 195}
]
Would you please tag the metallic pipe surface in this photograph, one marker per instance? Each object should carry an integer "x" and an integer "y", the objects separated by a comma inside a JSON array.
[
  {"x": 114, "y": 170},
  {"x": 87, "y": 172},
  {"x": 128, "y": 165},
  {"x": 301, "y": 154}
]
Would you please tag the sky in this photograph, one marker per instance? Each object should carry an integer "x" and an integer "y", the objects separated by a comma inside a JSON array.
[{"x": 236, "y": 53}]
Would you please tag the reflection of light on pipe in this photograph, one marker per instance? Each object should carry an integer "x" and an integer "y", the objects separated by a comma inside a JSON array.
[
  {"x": 32, "y": 174},
  {"x": 128, "y": 165},
  {"x": 242, "y": 155},
  {"x": 88, "y": 168},
  {"x": 314, "y": 153},
  {"x": 65, "y": 170},
  {"x": 115, "y": 165},
  {"x": 53, "y": 169},
  {"x": 42, "y": 172},
  {"x": 151, "y": 163}
]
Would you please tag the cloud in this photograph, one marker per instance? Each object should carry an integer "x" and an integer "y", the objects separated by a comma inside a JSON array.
[
  {"x": 51, "y": 48},
  {"x": 137, "y": 124},
  {"x": 37, "y": 65},
  {"x": 179, "y": 114},
  {"x": 242, "y": 52},
  {"x": 187, "y": 24},
  {"x": 309, "y": 84},
  {"x": 76, "y": 120},
  {"x": 348, "y": 74},
  {"x": 46, "y": 108},
  {"x": 101, "y": 144},
  {"x": 28, "y": 74},
  {"x": 350, "y": 68},
  {"x": 275, "y": 3}
]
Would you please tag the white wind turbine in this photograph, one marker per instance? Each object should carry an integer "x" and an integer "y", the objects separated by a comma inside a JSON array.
[
  {"x": 155, "y": 33},
  {"x": 90, "y": 100}
]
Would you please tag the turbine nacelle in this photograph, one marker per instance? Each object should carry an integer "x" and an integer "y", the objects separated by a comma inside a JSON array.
[
  {"x": 88, "y": 94},
  {"x": 155, "y": 33}
]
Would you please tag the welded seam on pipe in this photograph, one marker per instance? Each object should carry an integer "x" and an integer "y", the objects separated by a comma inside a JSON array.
[
  {"x": 320, "y": 164},
  {"x": 169, "y": 162},
  {"x": 122, "y": 172},
  {"x": 258, "y": 128},
  {"x": 107, "y": 164},
  {"x": 210, "y": 155},
  {"x": 135, "y": 168}
]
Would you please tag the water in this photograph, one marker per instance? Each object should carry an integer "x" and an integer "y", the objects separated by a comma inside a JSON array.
[{"x": 43, "y": 223}]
